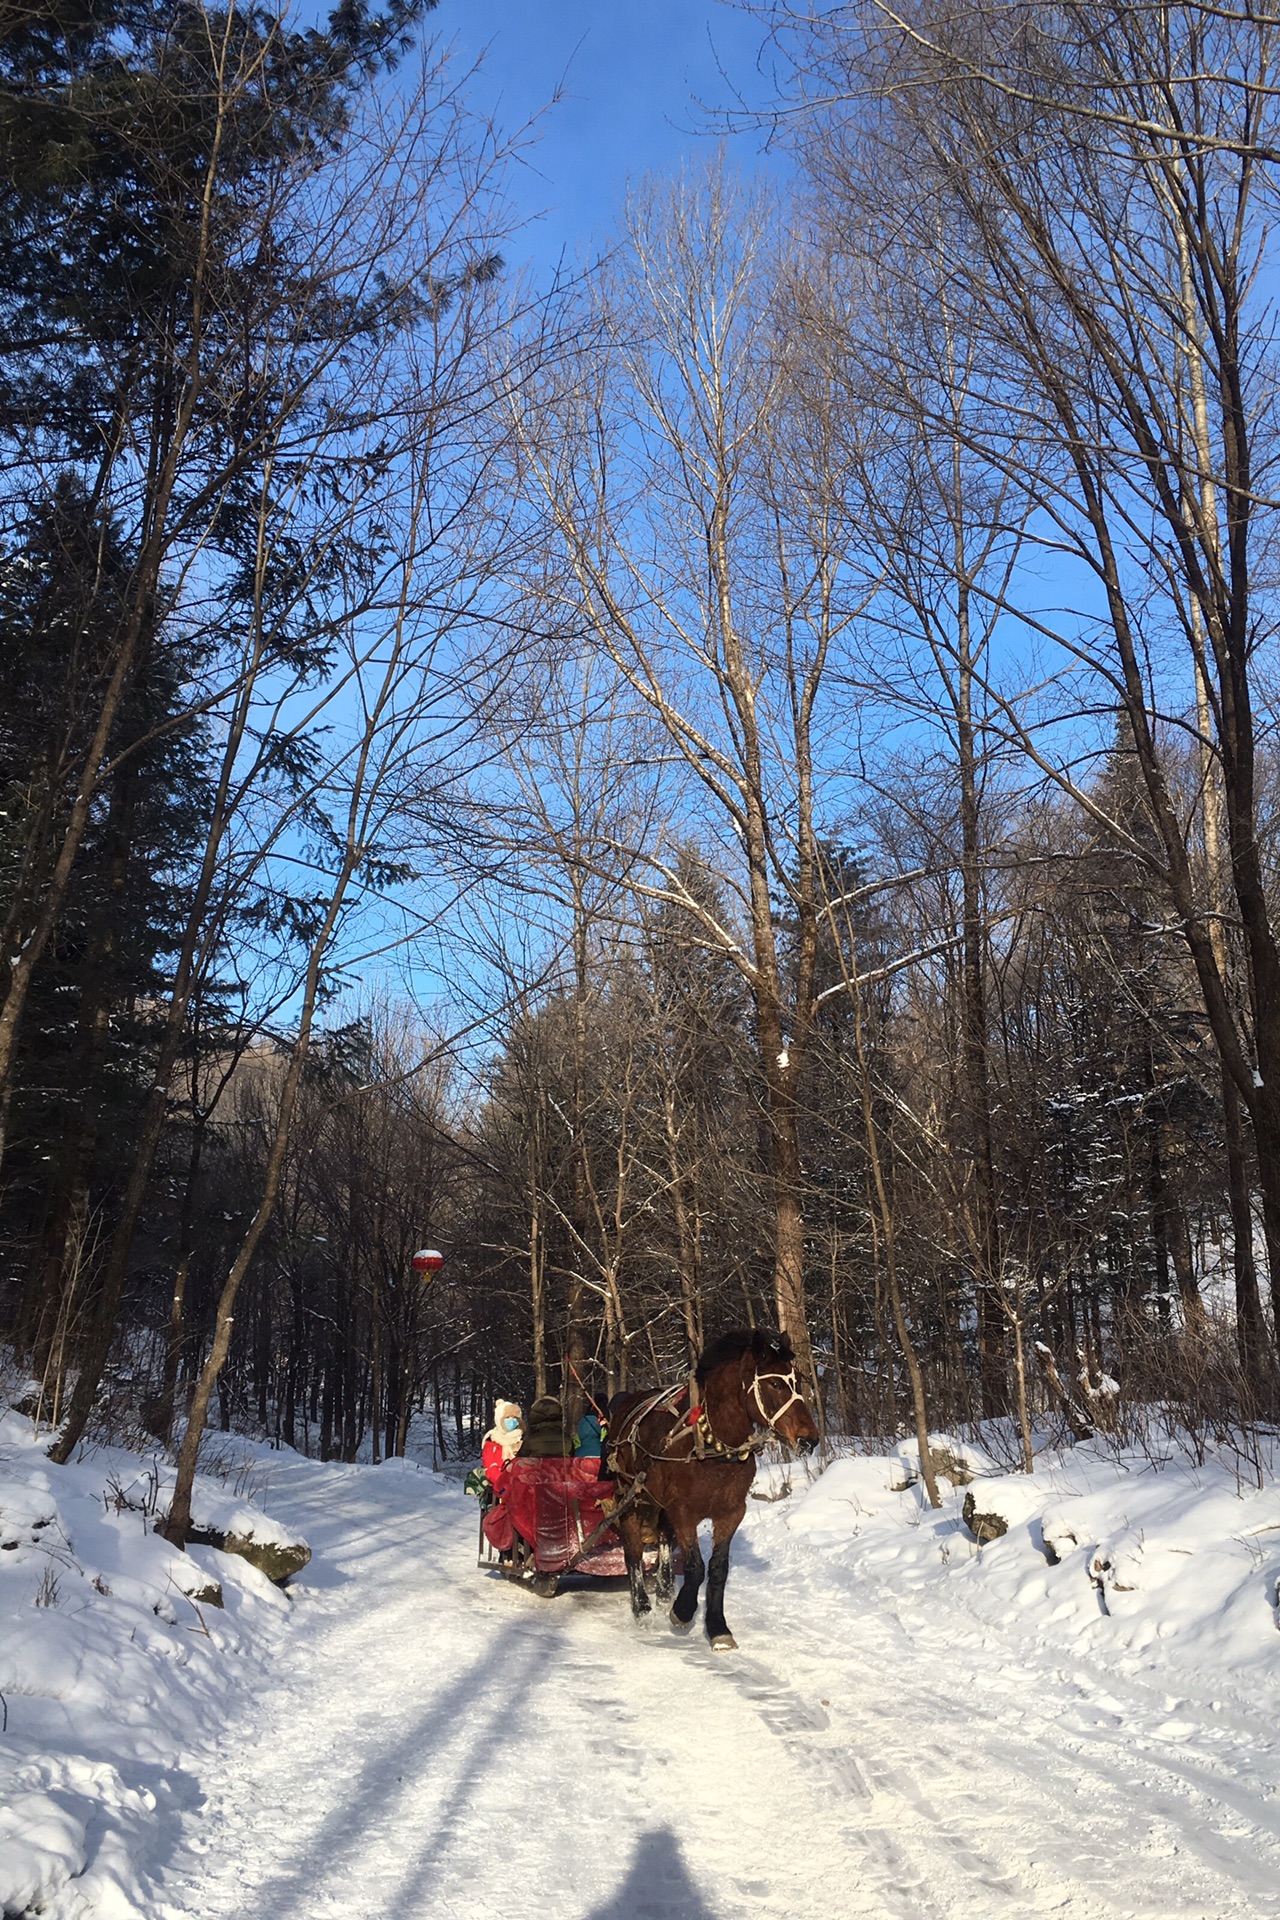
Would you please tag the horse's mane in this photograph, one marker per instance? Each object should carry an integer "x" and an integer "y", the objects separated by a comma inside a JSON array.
[{"x": 762, "y": 1343}]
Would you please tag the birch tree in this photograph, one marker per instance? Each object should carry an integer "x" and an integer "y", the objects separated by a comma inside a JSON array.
[{"x": 357, "y": 543}]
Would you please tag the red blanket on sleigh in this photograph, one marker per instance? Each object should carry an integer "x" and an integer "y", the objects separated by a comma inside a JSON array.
[{"x": 554, "y": 1505}]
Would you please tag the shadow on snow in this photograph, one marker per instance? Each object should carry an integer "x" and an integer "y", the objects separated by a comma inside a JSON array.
[{"x": 657, "y": 1886}]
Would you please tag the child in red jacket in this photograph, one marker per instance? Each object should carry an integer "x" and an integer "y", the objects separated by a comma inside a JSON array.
[{"x": 502, "y": 1443}]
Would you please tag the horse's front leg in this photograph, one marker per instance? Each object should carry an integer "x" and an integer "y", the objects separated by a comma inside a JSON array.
[
  {"x": 633, "y": 1548},
  {"x": 665, "y": 1585},
  {"x": 717, "y": 1573},
  {"x": 685, "y": 1604}
]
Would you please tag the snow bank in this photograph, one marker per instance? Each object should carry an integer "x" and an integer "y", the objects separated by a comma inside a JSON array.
[
  {"x": 114, "y": 1665},
  {"x": 1147, "y": 1555}
]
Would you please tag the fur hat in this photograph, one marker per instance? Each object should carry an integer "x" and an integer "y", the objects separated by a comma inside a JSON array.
[{"x": 507, "y": 1438}]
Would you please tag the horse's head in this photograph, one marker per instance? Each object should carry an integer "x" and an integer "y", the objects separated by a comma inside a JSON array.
[{"x": 774, "y": 1398}]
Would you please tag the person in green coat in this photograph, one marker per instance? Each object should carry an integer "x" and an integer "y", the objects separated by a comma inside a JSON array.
[{"x": 544, "y": 1434}]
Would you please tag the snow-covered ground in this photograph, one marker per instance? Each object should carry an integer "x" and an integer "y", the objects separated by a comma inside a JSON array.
[
  {"x": 914, "y": 1726},
  {"x": 114, "y": 1666}
]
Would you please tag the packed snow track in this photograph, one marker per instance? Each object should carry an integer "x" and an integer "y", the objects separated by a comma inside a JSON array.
[{"x": 433, "y": 1742}]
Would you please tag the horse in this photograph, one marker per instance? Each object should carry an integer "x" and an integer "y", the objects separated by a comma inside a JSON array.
[{"x": 698, "y": 1463}]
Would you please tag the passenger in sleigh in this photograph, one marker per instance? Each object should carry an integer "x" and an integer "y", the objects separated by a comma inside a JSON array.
[
  {"x": 542, "y": 1437},
  {"x": 489, "y": 1481},
  {"x": 502, "y": 1443},
  {"x": 545, "y": 1437},
  {"x": 590, "y": 1441}
]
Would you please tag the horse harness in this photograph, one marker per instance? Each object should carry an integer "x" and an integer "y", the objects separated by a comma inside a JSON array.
[{"x": 667, "y": 1400}]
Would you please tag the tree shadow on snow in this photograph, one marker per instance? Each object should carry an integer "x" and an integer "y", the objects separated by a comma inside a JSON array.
[
  {"x": 452, "y": 1730},
  {"x": 386, "y": 1832},
  {"x": 657, "y": 1887}
]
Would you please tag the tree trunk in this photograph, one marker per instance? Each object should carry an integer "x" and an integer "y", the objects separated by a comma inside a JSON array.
[
  {"x": 178, "y": 1523},
  {"x": 785, "y": 1169},
  {"x": 992, "y": 1361},
  {"x": 375, "y": 1391},
  {"x": 884, "y": 1209}
]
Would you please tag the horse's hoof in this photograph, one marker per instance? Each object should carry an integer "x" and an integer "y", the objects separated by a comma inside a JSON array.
[
  {"x": 723, "y": 1643},
  {"x": 681, "y": 1626}
]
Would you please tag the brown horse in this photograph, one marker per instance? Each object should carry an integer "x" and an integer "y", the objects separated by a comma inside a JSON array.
[{"x": 698, "y": 1464}]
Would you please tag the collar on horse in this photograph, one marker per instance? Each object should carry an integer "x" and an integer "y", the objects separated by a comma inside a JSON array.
[{"x": 714, "y": 1448}]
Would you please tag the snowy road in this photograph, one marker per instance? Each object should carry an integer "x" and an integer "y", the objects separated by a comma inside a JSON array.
[{"x": 436, "y": 1743}]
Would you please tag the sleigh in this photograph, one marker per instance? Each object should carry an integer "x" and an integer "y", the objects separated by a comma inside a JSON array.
[{"x": 555, "y": 1517}]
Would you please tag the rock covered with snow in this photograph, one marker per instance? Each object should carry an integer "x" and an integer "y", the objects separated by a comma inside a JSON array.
[
  {"x": 994, "y": 1504},
  {"x": 219, "y": 1519},
  {"x": 958, "y": 1461}
]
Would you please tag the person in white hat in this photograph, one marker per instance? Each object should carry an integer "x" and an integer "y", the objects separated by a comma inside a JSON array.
[{"x": 502, "y": 1442}]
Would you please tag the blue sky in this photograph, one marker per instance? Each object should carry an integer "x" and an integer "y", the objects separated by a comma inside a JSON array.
[{"x": 635, "y": 82}]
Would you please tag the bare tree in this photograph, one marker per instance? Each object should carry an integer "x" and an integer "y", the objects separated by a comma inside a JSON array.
[
  {"x": 339, "y": 599},
  {"x": 690, "y": 485},
  {"x": 1098, "y": 183},
  {"x": 359, "y": 820},
  {"x": 940, "y": 547}
]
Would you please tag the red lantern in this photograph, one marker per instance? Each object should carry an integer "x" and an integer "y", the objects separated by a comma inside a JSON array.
[{"x": 427, "y": 1262}]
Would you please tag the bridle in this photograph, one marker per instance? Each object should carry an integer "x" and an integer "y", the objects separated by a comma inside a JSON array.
[{"x": 787, "y": 1379}]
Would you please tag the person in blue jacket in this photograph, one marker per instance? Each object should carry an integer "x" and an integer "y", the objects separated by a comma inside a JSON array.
[{"x": 589, "y": 1441}]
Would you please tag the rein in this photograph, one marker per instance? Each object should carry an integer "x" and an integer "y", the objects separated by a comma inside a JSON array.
[{"x": 600, "y": 1413}]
